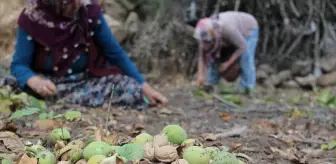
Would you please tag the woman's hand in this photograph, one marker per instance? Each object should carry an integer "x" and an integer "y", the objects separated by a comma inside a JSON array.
[
  {"x": 200, "y": 80},
  {"x": 224, "y": 66},
  {"x": 154, "y": 96},
  {"x": 42, "y": 86}
]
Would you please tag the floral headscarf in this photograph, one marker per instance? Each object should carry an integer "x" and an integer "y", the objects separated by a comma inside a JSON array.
[
  {"x": 207, "y": 29},
  {"x": 64, "y": 37}
]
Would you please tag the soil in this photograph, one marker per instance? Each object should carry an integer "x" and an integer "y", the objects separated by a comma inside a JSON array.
[{"x": 277, "y": 131}]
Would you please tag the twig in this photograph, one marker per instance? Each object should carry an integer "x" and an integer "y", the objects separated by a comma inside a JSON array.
[
  {"x": 229, "y": 104},
  {"x": 237, "y": 5},
  {"x": 109, "y": 108},
  {"x": 294, "y": 45},
  {"x": 241, "y": 155},
  {"x": 218, "y": 4},
  {"x": 294, "y": 9},
  {"x": 232, "y": 132},
  {"x": 317, "y": 65}
]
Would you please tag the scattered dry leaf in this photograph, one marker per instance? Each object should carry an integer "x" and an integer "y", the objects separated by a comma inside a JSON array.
[
  {"x": 112, "y": 139},
  {"x": 12, "y": 142},
  {"x": 27, "y": 160},
  {"x": 33, "y": 133},
  {"x": 139, "y": 126},
  {"x": 235, "y": 147},
  {"x": 288, "y": 154},
  {"x": 165, "y": 111},
  {"x": 124, "y": 140},
  {"x": 266, "y": 124},
  {"x": 314, "y": 153},
  {"x": 98, "y": 134},
  {"x": 48, "y": 124},
  {"x": 209, "y": 137},
  {"x": 225, "y": 116}
]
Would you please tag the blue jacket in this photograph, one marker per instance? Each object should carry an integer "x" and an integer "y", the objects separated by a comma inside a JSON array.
[{"x": 24, "y": 51}]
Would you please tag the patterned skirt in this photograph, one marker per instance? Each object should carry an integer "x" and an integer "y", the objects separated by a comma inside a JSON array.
[{"x": 81, "y": 89}]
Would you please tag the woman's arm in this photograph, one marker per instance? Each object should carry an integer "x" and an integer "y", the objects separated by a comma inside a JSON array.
[
  {"x": 22, "y": 58},
  {"x": 237, "y": 39},
  {"x": 114, "y": 52},
  {"x": 201, "y": 61}
]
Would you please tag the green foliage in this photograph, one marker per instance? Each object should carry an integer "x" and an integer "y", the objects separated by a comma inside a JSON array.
[
  {"x": 29, "y": 105},
  {"x": 330, "y": 146},
  {"x": 131, "y": 152},
  {"x": 201, "y": 94},
  {"x": 326, "y": 98},
  {"x": 236, "y": 99},
  {"x": 43, "y": 116},
  {"x": 73, "y": 115},
  {"x": 24, "y": 112}
]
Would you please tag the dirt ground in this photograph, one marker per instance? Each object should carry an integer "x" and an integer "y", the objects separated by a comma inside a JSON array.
[{"x": 270, "y": 128}]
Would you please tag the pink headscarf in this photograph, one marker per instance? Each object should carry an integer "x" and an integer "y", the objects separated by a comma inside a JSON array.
[{"x": 208, "y": 29}]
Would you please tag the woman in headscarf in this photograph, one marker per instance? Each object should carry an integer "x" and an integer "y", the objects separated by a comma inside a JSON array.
[
  {"x": 228, "y": 29},
  {"x": 65, "y": 50}
]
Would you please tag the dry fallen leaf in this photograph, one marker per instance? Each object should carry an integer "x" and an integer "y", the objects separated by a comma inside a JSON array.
[
  {"x": 112, "y": 139},
  {"x": 288, "y": 154},
  {"x": 29, "y": 132},
  {"x": 27, "y": 160},
  {"x": 12, "y": 142},
  {"x": 266, "y": 124},
  {"x": 98, "y": 134},
  {"x": 165, "y": 111},
  {"x": 48, "y": 124},
  {"x": 235, "y": 147},
  {"x": 225, "y": 116},
  {"x": 209, "y": 137},
  {"x": 139, "y": 126}
]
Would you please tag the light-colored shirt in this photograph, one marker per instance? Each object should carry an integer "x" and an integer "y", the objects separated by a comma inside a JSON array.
[{"x": 235, "y": 26}]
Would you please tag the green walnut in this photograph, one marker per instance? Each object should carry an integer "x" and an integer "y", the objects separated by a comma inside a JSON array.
[
  {"x": 36, "y": 149},
  {"x": 142, "y": 138},
  {"x": 212, "y": 151},
  {"x": 196, "y": 155},
  {"x": 60, "y": 134},
  {"x": 175, "y": 133},
  {"x": 46, "y": 157},
  {"x": 224, "y": 157},
  {"x": 97, "y": 148},
  {"x": 75, "y": 154},
  {"x": 96, "y": 159}
]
